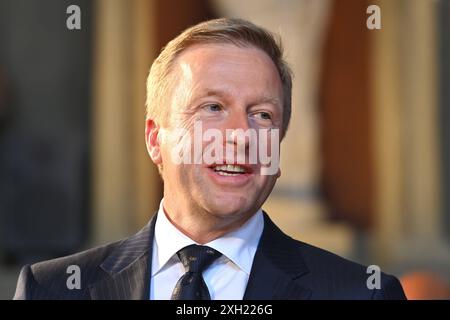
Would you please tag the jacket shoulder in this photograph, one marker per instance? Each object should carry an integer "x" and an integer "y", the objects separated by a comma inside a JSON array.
[
  {"x": 48, "y": 279},
  {"x": 334, "y": 277}
]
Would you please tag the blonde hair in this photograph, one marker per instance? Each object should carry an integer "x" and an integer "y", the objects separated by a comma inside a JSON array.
[{"x": 238, "y": 32}]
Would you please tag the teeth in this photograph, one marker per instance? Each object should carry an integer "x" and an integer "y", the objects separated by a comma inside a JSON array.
[
  {"x": 230, "y": 168},
  {"x": 221, "y": 173}
]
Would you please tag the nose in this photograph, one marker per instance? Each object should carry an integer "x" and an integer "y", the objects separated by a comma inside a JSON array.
[{"x": 237, "y": 129}]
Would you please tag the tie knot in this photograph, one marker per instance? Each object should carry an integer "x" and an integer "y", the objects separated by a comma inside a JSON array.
[{"x": 196, "y": 258}]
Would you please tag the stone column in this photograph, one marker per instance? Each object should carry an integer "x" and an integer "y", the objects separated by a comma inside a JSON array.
[
  {"x": 406, "y": 131},
  {"x": 125, "y": 185}
]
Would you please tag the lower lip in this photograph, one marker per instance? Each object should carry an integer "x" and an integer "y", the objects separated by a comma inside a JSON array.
[{"x": 235, "y": 180}]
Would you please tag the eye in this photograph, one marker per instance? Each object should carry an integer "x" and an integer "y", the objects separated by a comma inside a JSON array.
[
  {"x": 214, "y": 107},
  {"x": 264, "y": 115}
]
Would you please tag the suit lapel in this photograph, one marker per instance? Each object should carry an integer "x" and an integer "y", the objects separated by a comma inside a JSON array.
[
  {"x": 276, "y": 266},
  {"x": 128, "y": 268}
]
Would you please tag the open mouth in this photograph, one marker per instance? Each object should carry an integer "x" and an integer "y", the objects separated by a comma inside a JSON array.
[{"x": 231, "y": 169}]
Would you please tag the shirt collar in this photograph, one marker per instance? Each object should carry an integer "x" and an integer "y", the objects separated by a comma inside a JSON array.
[{"x": 239, "y": 246}]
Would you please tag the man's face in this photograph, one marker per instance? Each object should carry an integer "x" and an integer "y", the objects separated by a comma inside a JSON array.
[{"x": 220, "y": 87}]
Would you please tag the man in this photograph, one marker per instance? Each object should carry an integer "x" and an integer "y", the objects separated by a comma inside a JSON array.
[{"x": 223, "y": 79}]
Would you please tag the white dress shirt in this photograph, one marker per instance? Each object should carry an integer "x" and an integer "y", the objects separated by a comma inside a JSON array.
[{"x": 226, "y": 277}]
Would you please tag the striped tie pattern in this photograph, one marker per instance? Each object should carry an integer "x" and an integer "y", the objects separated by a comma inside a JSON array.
[{"x": 195, "y": 259}]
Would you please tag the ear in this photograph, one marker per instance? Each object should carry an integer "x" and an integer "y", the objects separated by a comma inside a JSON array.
[
  {"x": 279, "y": 173},
  {"x": 152, "y": 141}
]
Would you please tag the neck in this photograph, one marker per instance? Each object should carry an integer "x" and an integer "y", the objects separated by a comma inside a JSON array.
[{"x": 200, "y": 225}]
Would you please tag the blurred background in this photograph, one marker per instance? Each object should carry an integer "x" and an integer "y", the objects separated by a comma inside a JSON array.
[{"x": 365, "y": 164}]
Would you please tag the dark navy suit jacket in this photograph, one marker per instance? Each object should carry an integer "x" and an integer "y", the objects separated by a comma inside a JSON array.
[{"x": 283, "y": 268}]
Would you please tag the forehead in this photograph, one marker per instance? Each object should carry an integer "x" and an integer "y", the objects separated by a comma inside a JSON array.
[{"x": 226, "y": 65}]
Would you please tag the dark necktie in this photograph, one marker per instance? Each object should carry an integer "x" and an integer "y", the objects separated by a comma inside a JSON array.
[{"x": 195, "y": 260}]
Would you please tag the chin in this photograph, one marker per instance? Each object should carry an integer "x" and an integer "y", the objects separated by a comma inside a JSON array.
[{"x": 230, "y": 206}]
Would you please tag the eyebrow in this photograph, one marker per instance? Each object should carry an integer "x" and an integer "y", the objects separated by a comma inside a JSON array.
[
  {"x": 270, "y": 100},
  {"x": 212, "y": 92}
]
